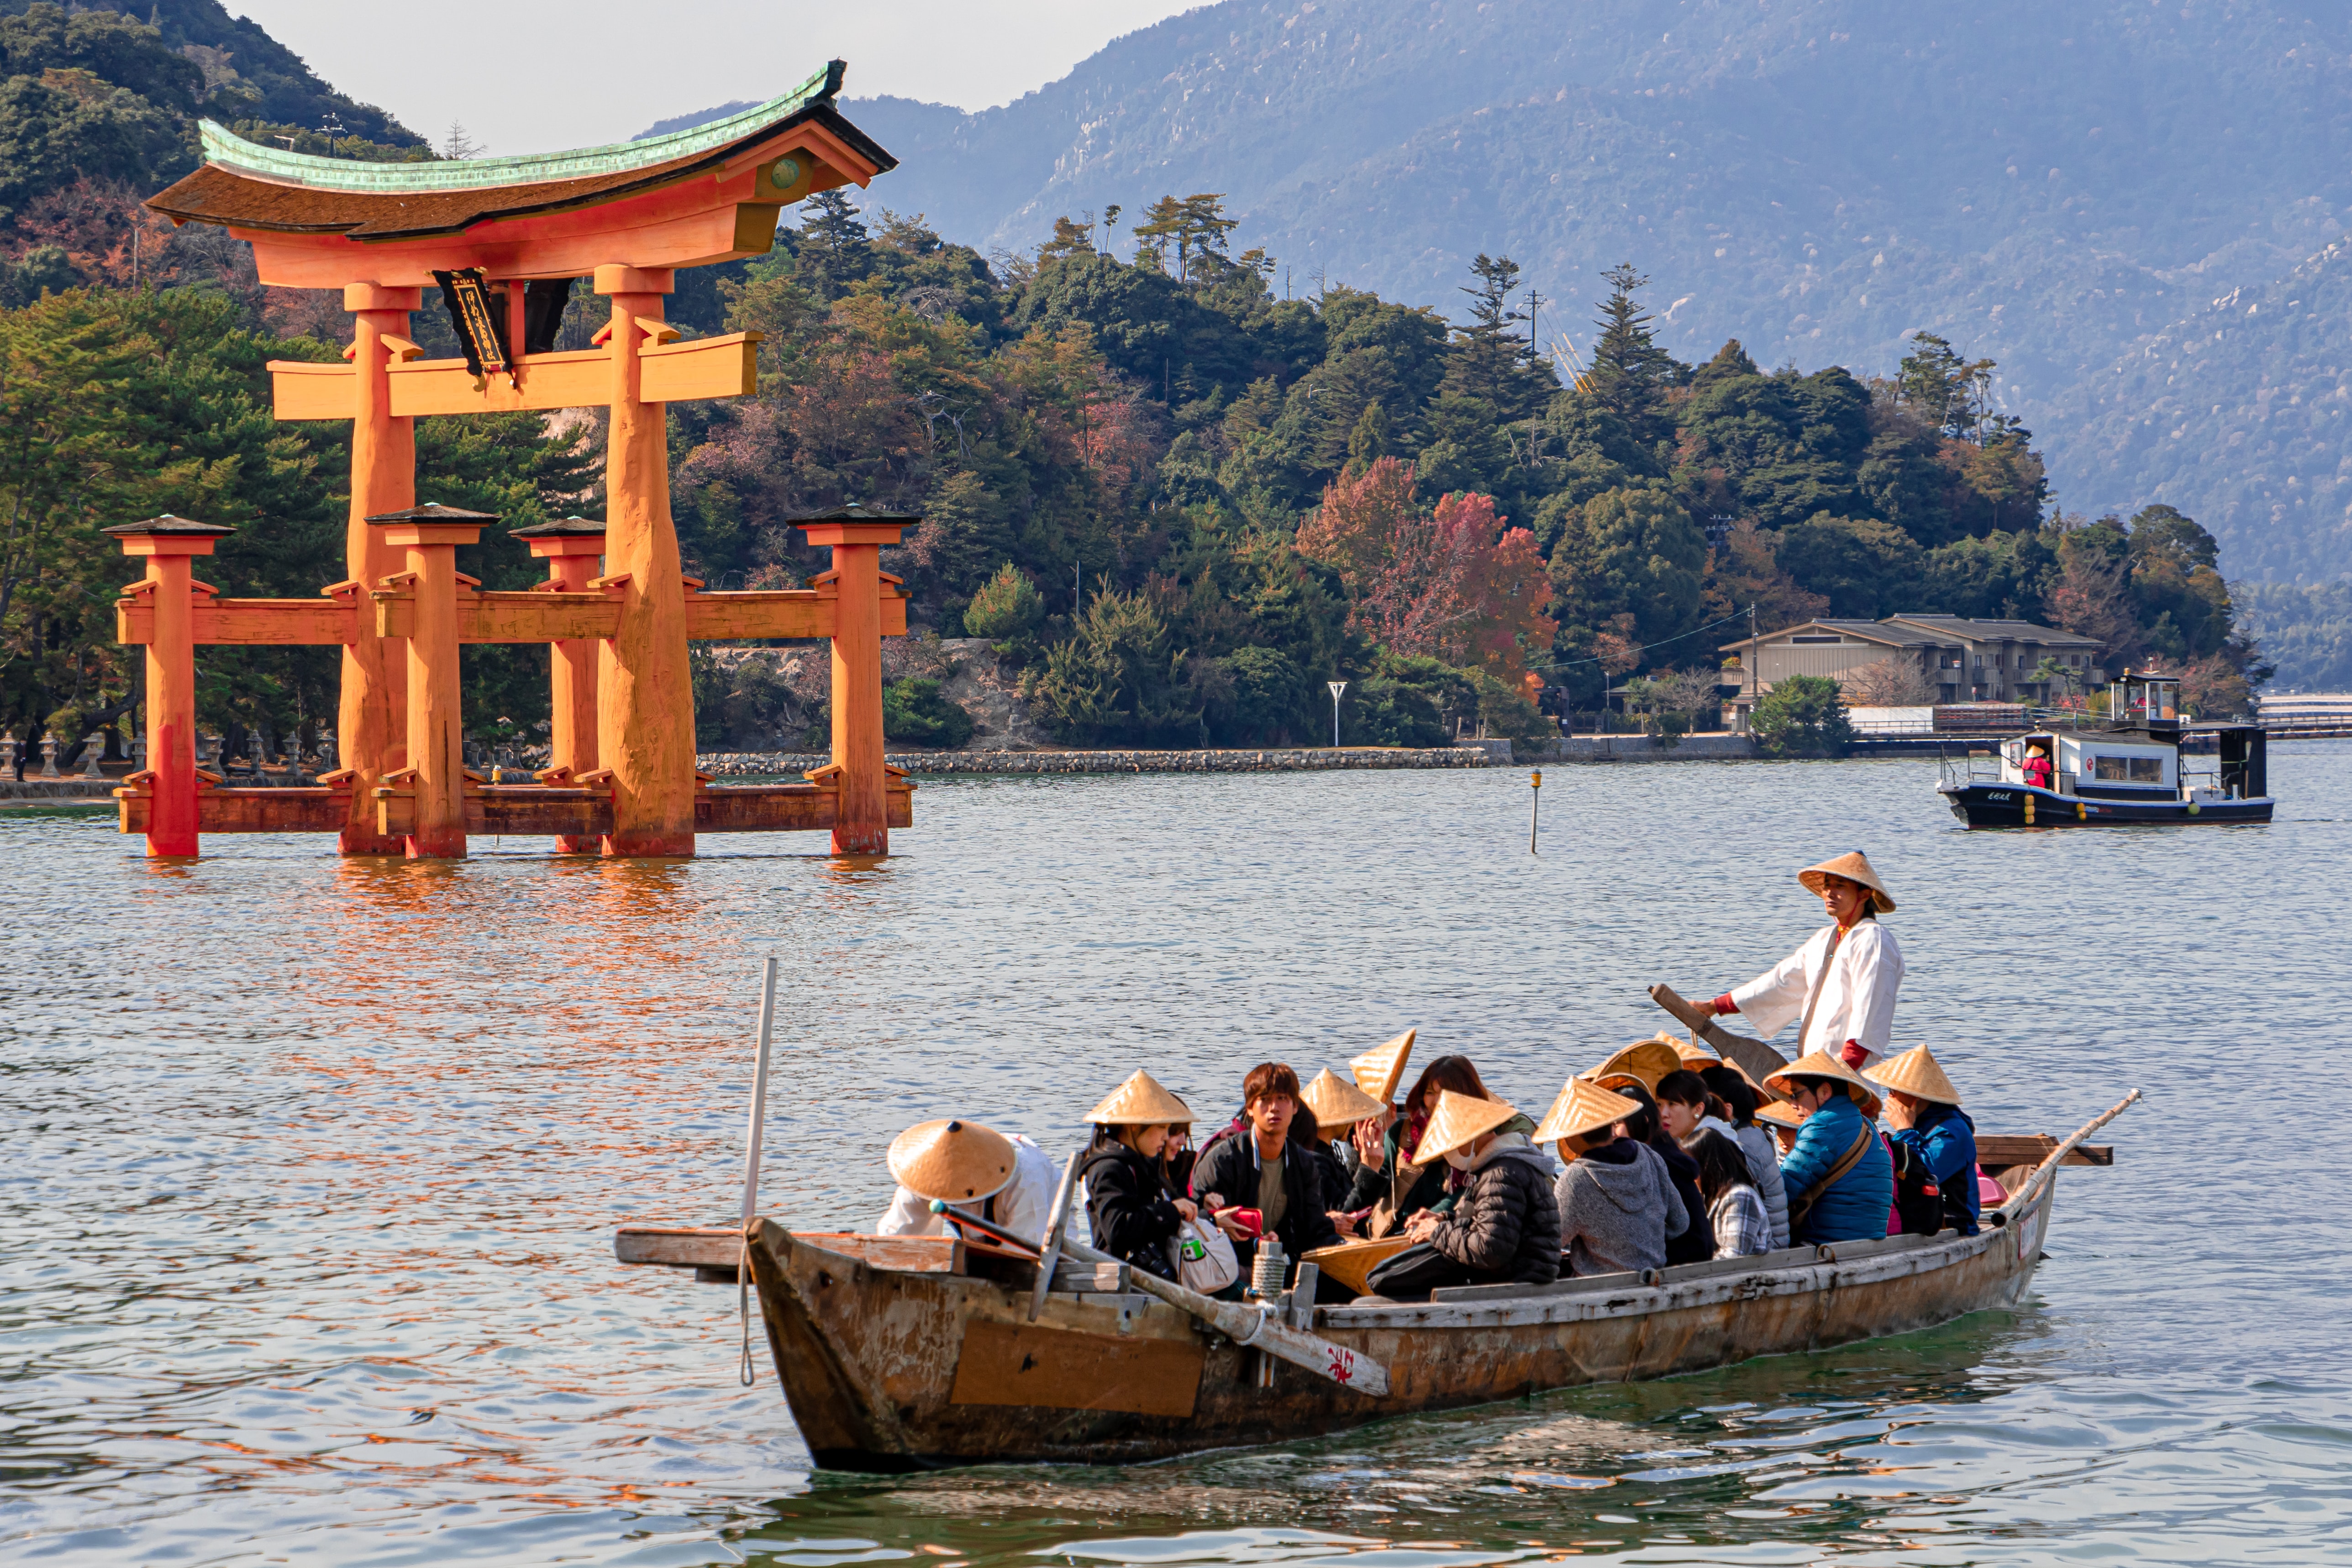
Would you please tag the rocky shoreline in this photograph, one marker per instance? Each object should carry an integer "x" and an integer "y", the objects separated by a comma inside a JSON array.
[{"x": 1294, "y": 759}]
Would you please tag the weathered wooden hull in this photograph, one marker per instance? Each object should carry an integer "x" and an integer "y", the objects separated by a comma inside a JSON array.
[{"x": 887, "y": 1371}]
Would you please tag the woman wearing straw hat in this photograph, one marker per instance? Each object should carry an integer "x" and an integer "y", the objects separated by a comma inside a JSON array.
[
  {"x": 1129, "y": 1210},
  {"x": 973, "y": 1169},
  {"x": 1923, "y": 1111},
  {"x": 1842, "y": 983},
  {"x": 1505, "y": 1227},
  {"x": 1617, "y": 1205},
  {"x": 1840, "y": 1183},
  {"x": 1340, "y": 1111}
]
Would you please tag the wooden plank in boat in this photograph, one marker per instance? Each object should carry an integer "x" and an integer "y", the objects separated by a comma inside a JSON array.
[
  {"x": 1054, "y": 1369},
  {"x": 718, "y": 1246},
  {"x": 1998, "y": 1151},
  {"x": 1575, "y": 1285}
]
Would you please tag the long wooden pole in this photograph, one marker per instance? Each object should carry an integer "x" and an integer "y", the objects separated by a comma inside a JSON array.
[
  {"x": 1760, "y": 1059},
  {"x": 2050, "y": 1161},
  {"x": 1251, "y": 1328},
  {"x": 758, "y": 1090}
]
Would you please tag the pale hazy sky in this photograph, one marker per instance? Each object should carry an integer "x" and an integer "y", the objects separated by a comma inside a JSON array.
[{"x": 558, "y": 79}]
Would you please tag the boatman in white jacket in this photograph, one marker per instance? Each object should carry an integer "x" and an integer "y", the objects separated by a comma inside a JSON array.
[
  {"x": 1007, "y": 1181},
  {"x": 1842, "y": 983}
]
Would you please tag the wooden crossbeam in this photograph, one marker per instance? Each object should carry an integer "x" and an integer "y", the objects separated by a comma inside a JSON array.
[
  {"x": 726, "y": 366},
  {"x": 497, "y": 618},
  {"x": 299, "y": 809},
  {"x": 269, "y": 621}
]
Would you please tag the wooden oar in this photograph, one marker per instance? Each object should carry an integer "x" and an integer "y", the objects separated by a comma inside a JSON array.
[
  {"x": 1253, "y": 1327},
  {"x": 2051, "y": 1161},
  {"x": 1760, "y": 1059}
]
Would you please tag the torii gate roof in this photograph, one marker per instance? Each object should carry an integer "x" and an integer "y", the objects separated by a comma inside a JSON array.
[{"x": 706, "y": 193}]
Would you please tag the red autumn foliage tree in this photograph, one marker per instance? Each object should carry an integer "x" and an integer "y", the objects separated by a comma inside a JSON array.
[{"x": 1453, "y": 584}]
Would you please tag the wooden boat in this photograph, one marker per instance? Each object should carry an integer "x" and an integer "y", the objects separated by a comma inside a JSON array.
[
  {"x": 900, "y": 1353},
  {"x": 2130, "y": 771}
]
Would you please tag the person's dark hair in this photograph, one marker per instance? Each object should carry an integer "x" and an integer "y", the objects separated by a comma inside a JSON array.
[
  {"x": 1643, "y": 1125},
  {"x": 1304, "y": 1128},
  {"x": 1446, "y": 1072},
  {"x": 1684, "y": 1087},
  {"x": 1721, "y": 1165},
  {"x": 1271, "y": 1078},
  {"x": 1733, "y": 1091}
]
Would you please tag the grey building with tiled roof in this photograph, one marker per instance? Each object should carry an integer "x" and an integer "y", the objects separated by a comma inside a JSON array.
[{"x": 1960, "y": 660}]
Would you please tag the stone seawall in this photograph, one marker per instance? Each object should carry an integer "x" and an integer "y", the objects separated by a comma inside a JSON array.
[
  {"x": 59, "y": 789},
  {"x": 741, "y": 765}
]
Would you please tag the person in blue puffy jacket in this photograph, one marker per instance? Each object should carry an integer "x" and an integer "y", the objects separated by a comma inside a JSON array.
[
  {"x": 1839, "y": 1180},
  {"x": 1922, "y": 1110}
]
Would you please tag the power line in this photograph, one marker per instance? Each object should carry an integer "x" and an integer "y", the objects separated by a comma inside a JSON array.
[{"x": 1679, "y": 636}]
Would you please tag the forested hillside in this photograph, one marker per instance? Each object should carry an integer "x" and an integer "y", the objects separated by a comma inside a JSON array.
[
  {"x": 2056, "y": 186},
  {"x": 1177, "y": 485}
]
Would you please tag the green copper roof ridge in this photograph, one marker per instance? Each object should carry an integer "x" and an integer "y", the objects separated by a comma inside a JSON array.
[{"x": 223, "y": 146}]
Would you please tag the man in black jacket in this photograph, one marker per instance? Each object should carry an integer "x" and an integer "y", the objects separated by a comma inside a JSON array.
[{"x": 1260, "y": 1168}]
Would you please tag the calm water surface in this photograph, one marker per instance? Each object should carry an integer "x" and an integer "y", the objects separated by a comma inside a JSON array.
[{"x": 311, "y": 1170}]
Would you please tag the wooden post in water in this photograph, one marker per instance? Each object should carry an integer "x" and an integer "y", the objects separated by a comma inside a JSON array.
[
  {"x": 169, "y": 543},
  {"x": 571, "y": 547},
  {"x": 371, "y": 717}
]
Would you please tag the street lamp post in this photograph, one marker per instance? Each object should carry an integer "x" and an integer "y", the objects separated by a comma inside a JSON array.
[{"x": 1337, "y": 687}]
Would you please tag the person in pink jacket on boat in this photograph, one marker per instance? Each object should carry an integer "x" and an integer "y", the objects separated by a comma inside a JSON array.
[{"x": 1841, "y": 985}]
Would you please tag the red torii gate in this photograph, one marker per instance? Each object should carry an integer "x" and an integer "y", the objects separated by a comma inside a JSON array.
[{"x": 630, "y": 214}]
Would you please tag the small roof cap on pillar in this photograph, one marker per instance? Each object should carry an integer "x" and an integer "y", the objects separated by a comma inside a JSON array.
[
  {"x": 434, "y": 511},
  {"x": 556, "y": 528},
  {"x": 855, "y": 511},
  {"x": 149, "y": 528}
]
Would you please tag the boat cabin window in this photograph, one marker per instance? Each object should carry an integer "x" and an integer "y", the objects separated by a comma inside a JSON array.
[{"x": 2130, "y": 770}]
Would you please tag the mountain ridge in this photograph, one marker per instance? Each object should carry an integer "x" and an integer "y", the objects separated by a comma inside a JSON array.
[{"x": 1820, "y": 179}]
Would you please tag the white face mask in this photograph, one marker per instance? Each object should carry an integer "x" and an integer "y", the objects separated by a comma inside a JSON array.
[{"x": 1460, "y": 1159}]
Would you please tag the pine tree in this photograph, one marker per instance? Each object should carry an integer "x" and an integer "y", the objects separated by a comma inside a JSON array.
[
  {"x": 1629, "y": 371},
  {"x": 1069, "y": 239},
  {"x": 1487, "y": 359},
  {"x": 833, "y": 252},
  {"x": 1943, "y": 389}
]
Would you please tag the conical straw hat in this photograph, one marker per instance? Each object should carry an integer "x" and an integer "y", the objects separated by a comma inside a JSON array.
[
  {"x": 1139, "y": 1102},
  {"x": 1645, "y": 1062},
  {"x": 1779, "y": 1113},
  {"x": 1460, "y": 1118},
  {"x": 1582, "y": 1108},
  {"x": 1693, "y": 1054},
  {"x": 1855, "y": 866},
  {"x": 1378, "y": 1071},
  {"x": 1336, "y": 1102},
  {"x": 1821, "y": 1064},
  {"x": 1916, "y": 1072},
  {"x": 954, "y": 1161}
]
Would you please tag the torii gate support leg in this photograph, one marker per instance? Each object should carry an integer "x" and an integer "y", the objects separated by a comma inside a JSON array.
[
  {"x": 861, "y": 822},
  {"x": 645, "y": 691},
  {"x": 572, "y": 556},
  {"x": 171, "y": 692},
  {"x": 436, "y": 726},
  {"x": 371, "y": 719}
]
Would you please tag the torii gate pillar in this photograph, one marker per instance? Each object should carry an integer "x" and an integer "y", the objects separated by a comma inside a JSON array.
[
  {"x": 645, "y": 691},
  {"x": 371, "y": 718}
]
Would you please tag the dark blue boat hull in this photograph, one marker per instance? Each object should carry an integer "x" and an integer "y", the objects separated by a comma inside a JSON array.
[{"x": 2005, "y": 806}]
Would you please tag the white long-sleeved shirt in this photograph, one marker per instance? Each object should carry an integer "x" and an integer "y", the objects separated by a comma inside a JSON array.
[
  {"x": 1857, "y": 1000},
  {"x": 1021, "y": 1206}
]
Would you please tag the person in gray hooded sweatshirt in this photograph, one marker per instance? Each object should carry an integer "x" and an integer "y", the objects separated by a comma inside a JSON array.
[{"x": 1617, "y": 1203}]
